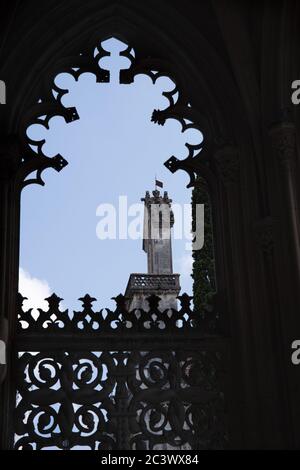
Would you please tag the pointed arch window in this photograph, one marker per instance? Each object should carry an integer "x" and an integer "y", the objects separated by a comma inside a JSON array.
[{"x": 120, "y": 398}]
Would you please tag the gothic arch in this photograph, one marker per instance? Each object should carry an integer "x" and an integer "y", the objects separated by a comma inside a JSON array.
[
  {"x": 158, "y": 42},
  {"x": 241, "y": 162}
]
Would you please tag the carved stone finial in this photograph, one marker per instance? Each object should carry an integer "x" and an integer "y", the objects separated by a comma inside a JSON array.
[
  {"x": 153, "y": 301},
  {"x": 120, "y": 301},
  {"x": 87, "y": 301},
  {"x": 185, "y": 301},
  {"x": 54, "y": 301}
]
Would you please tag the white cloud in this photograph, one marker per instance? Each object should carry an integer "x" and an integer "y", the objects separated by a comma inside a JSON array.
[{"x": 36, "y": 291}]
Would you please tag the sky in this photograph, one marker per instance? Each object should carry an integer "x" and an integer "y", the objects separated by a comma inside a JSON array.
[{"x": 113, "y": 150}]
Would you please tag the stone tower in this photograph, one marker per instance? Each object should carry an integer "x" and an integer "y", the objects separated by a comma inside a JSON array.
[{"x": 159, "y": 280}]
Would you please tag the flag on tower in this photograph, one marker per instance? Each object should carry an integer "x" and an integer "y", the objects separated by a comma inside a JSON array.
[{"x": 159, "y": 183}]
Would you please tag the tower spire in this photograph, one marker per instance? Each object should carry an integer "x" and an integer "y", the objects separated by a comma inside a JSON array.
[
  {"x": 159, "y": 279},
  {"x": 158, "y": 222}
]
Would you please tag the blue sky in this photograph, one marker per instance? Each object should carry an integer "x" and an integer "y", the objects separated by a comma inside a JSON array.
[{"x": 113, "y": 149}]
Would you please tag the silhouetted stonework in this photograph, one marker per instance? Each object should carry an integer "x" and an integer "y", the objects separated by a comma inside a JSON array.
[
  {"x": 154, "y": 395},
  {"x": 233, "y": 63}
]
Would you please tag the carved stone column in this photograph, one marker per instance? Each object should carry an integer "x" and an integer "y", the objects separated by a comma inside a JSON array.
[
  {"x": 283, "y": 137},
  {"x": 227, "y": 163},
  {"x": 264, "y": 232},
  {"x": 10, "y": 161},
  {"x": 9, "y": 228}
]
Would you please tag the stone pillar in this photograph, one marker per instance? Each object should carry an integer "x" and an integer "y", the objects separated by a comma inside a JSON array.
[
  {"x": 9, "y": 262},
  {"x": 283, "y": 137}
]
